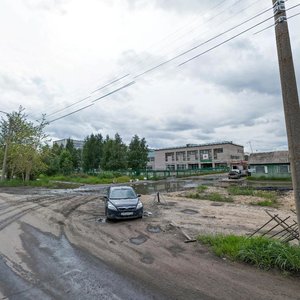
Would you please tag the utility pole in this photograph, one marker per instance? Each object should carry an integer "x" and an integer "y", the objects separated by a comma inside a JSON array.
[
  {"x": 6, "y": 146},
  {"x": 6, "y": 149},
  {"x": 289, "y": 95}
]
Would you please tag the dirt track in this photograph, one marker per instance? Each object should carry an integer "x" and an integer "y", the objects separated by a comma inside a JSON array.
[{"x": 150, "y": 251}]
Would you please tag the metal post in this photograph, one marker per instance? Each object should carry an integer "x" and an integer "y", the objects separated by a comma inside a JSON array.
[{"x": 290, "y": 95}]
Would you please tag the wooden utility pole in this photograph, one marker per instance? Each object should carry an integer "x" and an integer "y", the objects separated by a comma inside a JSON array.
[{"x": 289, "y": 95}]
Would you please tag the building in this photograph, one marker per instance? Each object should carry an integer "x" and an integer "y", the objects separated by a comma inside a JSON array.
[
  {"x": 192, "y": 156},
  {"x": 151, "y": 159},
  {"x": 270, "y": 164},
  {"x": 77, "y": 144}
]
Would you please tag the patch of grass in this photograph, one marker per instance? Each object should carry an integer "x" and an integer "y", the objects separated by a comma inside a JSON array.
[
  {"x": 46, "y": 183},
  {"x": 271, "y": 196},
  {"x": 259, "y": 251},
  {"x": 266, "y": 203},
  {"x": 88, "y": 179},
  {"x": 202, "y": 188},
  {"x": 238, "y": 190},
  {"x": 211, "y": 197},
  {"x": 265, "y": 178}
]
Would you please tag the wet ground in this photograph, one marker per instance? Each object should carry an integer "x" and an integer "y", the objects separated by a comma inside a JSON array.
[{"x": 58, "y": 245}]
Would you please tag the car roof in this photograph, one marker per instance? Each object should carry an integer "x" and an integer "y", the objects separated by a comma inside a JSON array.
[{"x": 121, "y": 187}]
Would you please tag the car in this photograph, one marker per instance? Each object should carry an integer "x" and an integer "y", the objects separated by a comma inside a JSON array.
[
  {"x": 234, "y": 175},
  {"x": 122, "y": 202}
]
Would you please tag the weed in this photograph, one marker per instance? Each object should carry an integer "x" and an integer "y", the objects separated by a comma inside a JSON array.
[
  {"x": 202, "y": 188},
  {"x": 259, "y": 251},
  {"x": 237, "y": 190},
  {"x": 211, "y": 197}
]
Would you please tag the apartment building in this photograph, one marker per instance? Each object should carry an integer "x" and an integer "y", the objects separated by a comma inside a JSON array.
[
  {"x": 192, "y": 156},
  {"x": 77, "y": 143}
]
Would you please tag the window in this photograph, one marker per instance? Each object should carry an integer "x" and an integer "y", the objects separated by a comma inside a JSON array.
[
  {"x": 181, "y": 167},
  {"x": 192, "y": 155},
  {"x": 260, "y": 169},
  {"x": 180, "y": 156},
  {"x": 170, "y": 167},
  {"x": 284, "y": 169},
  {"x": 216, "y": 151},
  {"x": 169, "y": 156}
]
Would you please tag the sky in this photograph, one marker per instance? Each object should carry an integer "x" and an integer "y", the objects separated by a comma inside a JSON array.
[{"x": 59, "y": 56}]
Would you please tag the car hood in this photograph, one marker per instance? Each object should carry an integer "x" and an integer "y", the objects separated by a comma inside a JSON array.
[{"x": 124, "y": 202}]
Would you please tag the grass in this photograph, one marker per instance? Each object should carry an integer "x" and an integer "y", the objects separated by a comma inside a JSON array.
[
  {"x": 258, "y": 251},
  {"x": 88, "y": 179},
  {"x": 46, "y": 183},
  {"x": 265, "y": 178},
  {"x": 269, "y": 196},
  {"x": 202, "y": 188},
  {"x": 217, "y": 197}
]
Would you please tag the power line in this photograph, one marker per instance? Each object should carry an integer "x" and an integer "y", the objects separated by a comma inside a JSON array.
[
  {"x": 69, "y": 106},
  {"x": 231, "y": 38},
  {"x": 116, "y": 80},
  {"x": 114, "y": 91},
  {"x": 108, "y": 84},
  {"x": 274, "y": 24},
  {"x": 71, "y": 113},
  {"x": 201, "y": 44},
  {"x": 133, "y": 82}
]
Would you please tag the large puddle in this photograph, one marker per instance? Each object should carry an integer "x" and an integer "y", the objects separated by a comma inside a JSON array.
[{"x": 176, "y": 185}]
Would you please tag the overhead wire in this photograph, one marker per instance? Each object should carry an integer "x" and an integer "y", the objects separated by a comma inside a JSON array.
[
  {"x": 275, "y": 23},
  {"x": 114, "y": 81},
  {"x": 231, "y": 38},
  {"x": 202, "y": 53},
  {"x": 201, "y": 44},
  {"x": 134, "y": 81}
]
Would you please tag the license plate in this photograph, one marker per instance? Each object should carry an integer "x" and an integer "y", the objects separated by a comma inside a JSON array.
[{"x": 127, "y": 213}]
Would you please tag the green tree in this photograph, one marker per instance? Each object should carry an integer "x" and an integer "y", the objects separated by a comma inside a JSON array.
[
  {"x": 114, "y": 154},
  {"x": 137, "y": 153},
  {"x": 65, "y": 162},
  {"x": 75, "y": 154},
  {"x": 92, "y": 152},
  {"x": 22, "y": 141}
]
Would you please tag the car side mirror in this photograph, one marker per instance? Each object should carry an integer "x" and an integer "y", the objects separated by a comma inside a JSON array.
[
  {"x": 139, "y": 195},
  {"x": 105, "y": 197}
]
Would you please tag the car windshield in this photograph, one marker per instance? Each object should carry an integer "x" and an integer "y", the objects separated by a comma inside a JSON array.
[{"x": 122, "y": 194}]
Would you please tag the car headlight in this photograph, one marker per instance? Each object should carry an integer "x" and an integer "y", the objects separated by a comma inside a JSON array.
[
  {"x": 111, "y": 206},
  {"x": 139, "y": 205}
]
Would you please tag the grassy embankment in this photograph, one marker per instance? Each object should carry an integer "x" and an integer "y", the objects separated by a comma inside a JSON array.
[
  {"x": 44, "y": 182},
  {"x": 258, "y": 251},
  {"x": 265, "y": 178},
  {"x": 68, "y": 181},
  {"x": 202, "y": 193}
]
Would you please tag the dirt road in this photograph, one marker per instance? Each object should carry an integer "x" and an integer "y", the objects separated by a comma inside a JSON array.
[{"x": 58, "y": 246}]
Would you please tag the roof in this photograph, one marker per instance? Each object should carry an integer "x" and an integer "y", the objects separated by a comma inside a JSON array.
[
  {"x": 200, "y": 145},
  {"x": 275, "y": 157}
]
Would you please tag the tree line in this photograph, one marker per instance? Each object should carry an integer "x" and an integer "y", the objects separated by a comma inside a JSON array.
[{"x": 25, "y": 151}]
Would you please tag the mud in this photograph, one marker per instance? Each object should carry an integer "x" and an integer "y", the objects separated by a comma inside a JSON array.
[{"x": 59, "y": 246}]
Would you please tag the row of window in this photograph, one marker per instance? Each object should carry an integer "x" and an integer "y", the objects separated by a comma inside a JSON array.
[
  {"x": 281, "y": 169},
  {"x": 193, "y": 155}
]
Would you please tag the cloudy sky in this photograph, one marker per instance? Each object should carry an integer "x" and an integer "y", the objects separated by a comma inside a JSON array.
[{"x": 58, "y": 56}]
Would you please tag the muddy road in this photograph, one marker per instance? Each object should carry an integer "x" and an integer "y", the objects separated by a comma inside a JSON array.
[{"x": 59, "y": 246}]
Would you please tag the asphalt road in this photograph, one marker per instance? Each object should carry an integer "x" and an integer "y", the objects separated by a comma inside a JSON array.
[{"x": 61, "y": 271}]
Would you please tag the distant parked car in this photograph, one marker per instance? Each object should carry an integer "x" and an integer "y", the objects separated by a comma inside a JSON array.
[
  {"x": 122, "y": 202},
  {"x": 234, "y": 175}
]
